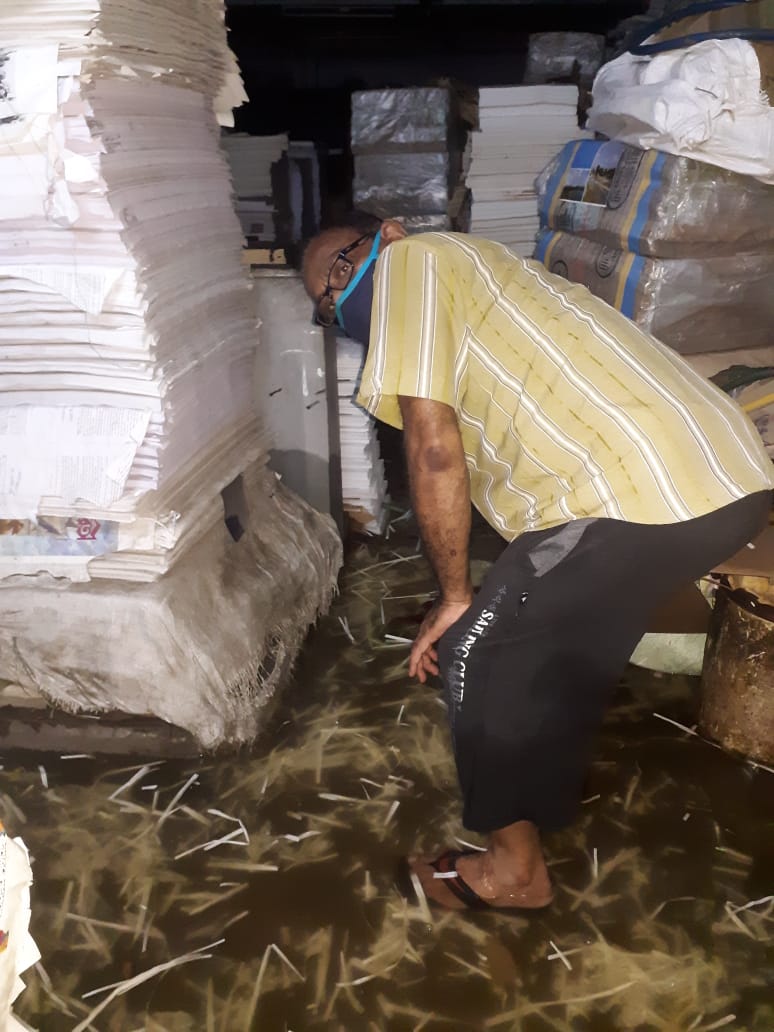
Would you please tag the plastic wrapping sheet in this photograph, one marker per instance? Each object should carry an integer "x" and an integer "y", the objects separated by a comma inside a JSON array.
[
  {"x": 694, "y": 304},
  {"x": 425, "y": 223},
  {"x": 205, "y": 647},
  {"x": 413, "y": 183},
  {"x": 653, "y": 203},
  {"x": 394, "y": 119},
  {"x": 554, "y": 55},
  {"x": 705, "y": 101}
]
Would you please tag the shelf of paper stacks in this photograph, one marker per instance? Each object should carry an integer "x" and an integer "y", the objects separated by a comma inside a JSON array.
[
  {"x": 127, "y": 341},
  {"x": 408, "y": 146},
  {"x": 364, "y": 487},
  {"x": 251, "y": 159},
  {"x": 18, "y": 951},
  {"x": 520, "y": 130},
  {"x": 684, "y": 248}
]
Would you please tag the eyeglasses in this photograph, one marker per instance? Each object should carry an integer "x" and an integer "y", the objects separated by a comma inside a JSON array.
[{"x": 339, "y": 277}]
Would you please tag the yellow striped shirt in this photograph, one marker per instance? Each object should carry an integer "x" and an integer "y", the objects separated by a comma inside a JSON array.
[{"x": 566, "y": 408}]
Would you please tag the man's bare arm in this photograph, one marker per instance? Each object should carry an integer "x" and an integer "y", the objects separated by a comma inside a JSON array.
[{"x": 440, "y": 494}]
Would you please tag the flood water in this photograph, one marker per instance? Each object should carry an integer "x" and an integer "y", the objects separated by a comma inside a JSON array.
[{"x": 291, "y": 919}]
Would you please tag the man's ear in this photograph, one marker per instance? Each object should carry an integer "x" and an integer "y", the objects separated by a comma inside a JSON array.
[{"x": 392, "y": 231}]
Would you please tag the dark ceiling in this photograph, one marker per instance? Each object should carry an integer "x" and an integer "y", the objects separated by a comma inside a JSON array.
[{"x": 301, "y": 59}]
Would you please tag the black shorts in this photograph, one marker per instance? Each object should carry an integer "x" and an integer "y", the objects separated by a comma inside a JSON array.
[{"x": 529, "y": 667}]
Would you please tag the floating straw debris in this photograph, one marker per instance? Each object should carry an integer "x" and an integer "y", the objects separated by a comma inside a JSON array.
[
  {"x": 558, "y": 955},
  {"x": 675, "y": 723},
  {"x": 345, "y": 627},
  {"x": 119, "y": 988},
  {"x": 391, "y": 812},
  {"x": 424, "y": 909},
  {"x": 718, "y": 1024}
]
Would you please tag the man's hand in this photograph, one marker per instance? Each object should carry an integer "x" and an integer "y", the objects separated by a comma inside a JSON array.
[{"x": 424, "y": 656}]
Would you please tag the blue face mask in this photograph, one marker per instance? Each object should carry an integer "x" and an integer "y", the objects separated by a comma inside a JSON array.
[{"x": 353, "y": 309}]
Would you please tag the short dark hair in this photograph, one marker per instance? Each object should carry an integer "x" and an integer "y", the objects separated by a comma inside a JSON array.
[{"x": 362, "y": 221}]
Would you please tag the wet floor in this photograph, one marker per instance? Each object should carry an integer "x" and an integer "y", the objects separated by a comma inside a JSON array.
[{"x": 258, "y": 892}]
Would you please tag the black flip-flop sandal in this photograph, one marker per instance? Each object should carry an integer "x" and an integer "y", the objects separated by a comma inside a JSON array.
[{"x": 446, "y": 863}]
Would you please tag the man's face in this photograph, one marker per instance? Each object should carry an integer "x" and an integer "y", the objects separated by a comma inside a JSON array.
[
  {"x": 322, "y": 255},
  {"x": 324, "y": 258}
]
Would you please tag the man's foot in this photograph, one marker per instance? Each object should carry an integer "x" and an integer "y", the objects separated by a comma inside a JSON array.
[{"x": 484, "y": 880}]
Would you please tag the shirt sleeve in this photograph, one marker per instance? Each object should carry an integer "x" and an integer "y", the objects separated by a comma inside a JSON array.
[{"x": 413, "y": 347}]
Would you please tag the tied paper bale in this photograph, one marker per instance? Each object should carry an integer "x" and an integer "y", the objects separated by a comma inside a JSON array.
[
  {"x": 654, "y": 204},
  {"x": 206, "y": 646},
  {"x": 129, "y": 431},
  {"x": 695, "y": 305}
]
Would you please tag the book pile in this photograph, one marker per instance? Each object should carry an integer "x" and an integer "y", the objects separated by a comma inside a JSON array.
[
  {"x": 520, "y": 130},
  {"x": 363, "y": 485},
  {"x": 127, "y": 338}
]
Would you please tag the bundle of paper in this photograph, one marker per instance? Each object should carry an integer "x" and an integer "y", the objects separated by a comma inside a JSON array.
[
  {"x": 363, "y": 485},
  {"x": 408, "y": 146},
  {"x": 127, "y": 329},
  {"x": 520, "y": 130},
  {"x": 130, "y": 448},
  {"x": 251, "y": 159}
]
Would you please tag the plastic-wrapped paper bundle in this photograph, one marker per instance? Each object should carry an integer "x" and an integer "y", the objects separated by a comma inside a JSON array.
[
  {"x": 385, "y": 121},
  {"x": 407, "y": 184},
  {"x": 654, "y": 204},
  {"x": 408, "y": 145},
  {"x": 569, "y": 56},
  {"x": 127, "y": 341},
  {"x": 695, "y": 305}
]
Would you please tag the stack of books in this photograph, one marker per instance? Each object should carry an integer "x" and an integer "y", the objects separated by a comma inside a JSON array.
[
  {"x": 521, "y": 128},
  {"x": 363, "y": 485}
]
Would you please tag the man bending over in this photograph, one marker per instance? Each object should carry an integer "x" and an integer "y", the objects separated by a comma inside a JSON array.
[{"x": 615, "y": 472}]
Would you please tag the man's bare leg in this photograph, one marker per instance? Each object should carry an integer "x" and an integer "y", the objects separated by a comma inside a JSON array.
[{"x": 511, "y": 873}]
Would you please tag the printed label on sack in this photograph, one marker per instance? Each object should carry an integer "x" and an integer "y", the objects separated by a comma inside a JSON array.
[
  {"x": 53, "y": 535},
  {"x": 607, "y": 262},
  {"x": 604, "y": 181}
]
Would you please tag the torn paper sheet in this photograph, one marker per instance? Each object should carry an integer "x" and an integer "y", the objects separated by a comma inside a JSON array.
[
  {"x": 17, "y": 949},
  {"x": 76, "y": 452},
  {"x": 28, "y": 81}
]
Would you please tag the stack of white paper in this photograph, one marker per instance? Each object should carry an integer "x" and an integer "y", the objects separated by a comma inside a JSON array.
[
  {"x": 127, "y": 329},
  {"x": 363, "y": 485},
  {"x": 520, "y": 130},
  {"x": 251, "y": 159}
]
